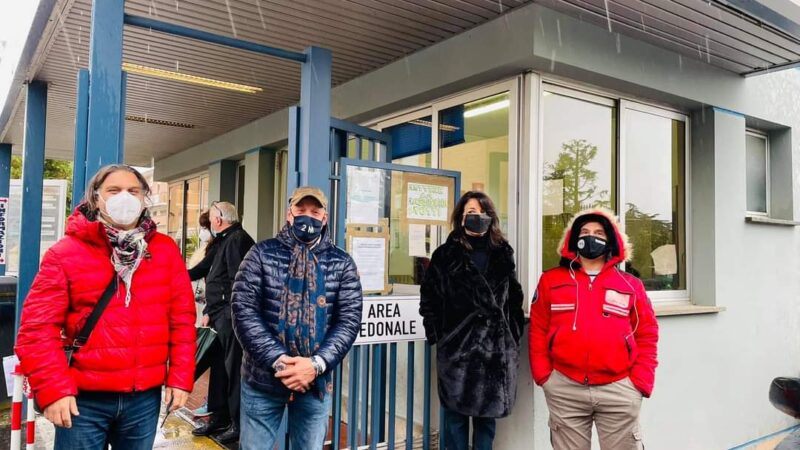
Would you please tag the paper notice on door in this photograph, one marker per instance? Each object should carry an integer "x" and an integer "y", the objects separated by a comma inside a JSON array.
[
  {"x": 417, "y": 245},
  {"x": 370, "y": 257},
  {"x": 363, "y": 203}
]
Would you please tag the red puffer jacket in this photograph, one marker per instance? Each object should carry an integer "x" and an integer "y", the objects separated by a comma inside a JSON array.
[
  {"x": 594, "y": 332},
  {"x": 130, "y": 346}
]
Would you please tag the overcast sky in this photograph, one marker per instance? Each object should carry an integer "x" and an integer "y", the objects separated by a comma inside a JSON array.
[{"x": 15, "y": 21}]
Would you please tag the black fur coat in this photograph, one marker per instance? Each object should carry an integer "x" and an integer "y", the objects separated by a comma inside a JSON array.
[{"x": 476, "y": 322}]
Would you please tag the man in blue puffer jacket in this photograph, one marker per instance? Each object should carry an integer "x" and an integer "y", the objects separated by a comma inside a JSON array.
[{"x": 296, "y": 311}]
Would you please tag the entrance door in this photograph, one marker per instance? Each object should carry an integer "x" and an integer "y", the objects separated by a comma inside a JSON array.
[{"x": 390, "y": 218}]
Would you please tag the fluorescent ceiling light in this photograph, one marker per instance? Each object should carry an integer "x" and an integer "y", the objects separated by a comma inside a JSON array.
[
  {"x": 186, "y": 78},
  {"x": 487, "y": 108},
  {"x": 168, "y": 123}
]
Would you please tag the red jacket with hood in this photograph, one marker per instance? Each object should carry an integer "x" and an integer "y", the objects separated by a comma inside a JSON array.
[
  {"x": 594, "y": 332},
  {"x": 130, "y": 346}
]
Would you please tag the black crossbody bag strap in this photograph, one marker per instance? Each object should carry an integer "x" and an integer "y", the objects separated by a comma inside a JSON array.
[{"x": 91, "y": 322}]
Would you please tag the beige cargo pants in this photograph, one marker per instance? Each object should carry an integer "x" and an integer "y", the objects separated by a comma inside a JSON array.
[{"x": 614, "y": 409}]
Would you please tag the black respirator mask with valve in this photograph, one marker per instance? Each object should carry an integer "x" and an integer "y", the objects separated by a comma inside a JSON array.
[{"x": 592, "y": 247}]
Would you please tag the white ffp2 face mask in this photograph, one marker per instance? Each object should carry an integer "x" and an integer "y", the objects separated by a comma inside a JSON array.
[
  {"x": 123, "y": 208},
  {"x": 205, "y": 235}
]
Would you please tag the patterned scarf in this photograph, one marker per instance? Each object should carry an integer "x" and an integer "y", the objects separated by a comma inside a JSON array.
[
  {"x": 128, "y": 247},
  {"x": 303, "y": 315}
]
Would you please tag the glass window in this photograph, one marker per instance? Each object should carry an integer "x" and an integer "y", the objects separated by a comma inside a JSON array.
[
  {"x": 473, "y": 140},
  {"x": 193, "y": 196},
  {"x": 411, "y": 142},
  {"x": 175, "y": 221},
  {"x": 579, "y": 150},
  {"x": 654, "y": 197},
  {"x": 757, "y": 148}
]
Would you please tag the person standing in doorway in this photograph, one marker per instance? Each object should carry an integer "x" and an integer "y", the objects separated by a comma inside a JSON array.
[
  {"x": 593, "y": 338},
  {"x": 471, "y": 304},
  {"x": 199, "y": 265},
  {"x": 109, "y": 391},
  {"x": 231, "y": 244},
  {"x": 296, "y": 310}
]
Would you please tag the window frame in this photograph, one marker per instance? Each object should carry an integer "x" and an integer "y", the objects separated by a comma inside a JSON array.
[
  {"x": 765, "y": 136},
  {"x": 432, "y": 108},
  {"x": 628, "y": 105}
]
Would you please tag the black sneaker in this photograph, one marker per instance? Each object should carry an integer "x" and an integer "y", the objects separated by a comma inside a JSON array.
[{"x": 213, "y": 426}]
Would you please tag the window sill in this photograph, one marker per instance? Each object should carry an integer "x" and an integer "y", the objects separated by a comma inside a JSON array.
[
  {"x": 684, "y": 309},
  {"x": 770, "y": 221}
]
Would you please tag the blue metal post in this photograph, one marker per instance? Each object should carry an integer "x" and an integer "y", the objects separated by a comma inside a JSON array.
[
  {"x": 122, "y": 90},
  {"x": 426, "y": 395},
  {"x": 293, "y": 171},
  {"x": 5, "y": 188},
  {"x": 410, "y": 397},
  {"x": 81, "y": 125},
  {"x": 315, "y": 119},
  {"x": 105, "y": 89},
  {"x": 30, "y": 233}
]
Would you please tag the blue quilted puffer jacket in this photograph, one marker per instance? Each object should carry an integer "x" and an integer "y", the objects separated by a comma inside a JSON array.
[{"x": 256, "y": 303}]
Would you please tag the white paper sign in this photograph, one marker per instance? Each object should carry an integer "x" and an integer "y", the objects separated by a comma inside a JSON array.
[
  {"x": 3, "y": 221},
  {"x": 9, "y": 364},
  {"x": 427, "y": 202},
  {"x": 416, "y": 241},
  {"x": 370, "y": 257},
  {"x": 364, "y": 189},
  {"x": 390, "y": 320}
]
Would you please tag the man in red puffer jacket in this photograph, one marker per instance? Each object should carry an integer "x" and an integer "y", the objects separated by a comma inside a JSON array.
[
  {"x": 145, "y": 338},
  {"x": 593, "y": 339}
]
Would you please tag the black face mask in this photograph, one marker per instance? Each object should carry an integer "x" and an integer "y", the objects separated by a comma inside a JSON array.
[
  {"x": 306, "y": 229},
  {"x": 592, "y": 247},
  {"x": 477, "y": 223}
]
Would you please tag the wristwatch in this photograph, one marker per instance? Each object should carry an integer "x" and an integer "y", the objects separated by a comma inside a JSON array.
[{"x": 318, "y": 364}]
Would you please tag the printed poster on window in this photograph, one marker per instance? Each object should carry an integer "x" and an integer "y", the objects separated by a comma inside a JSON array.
[
  {"x": 370, "y": 254},
  {"x": 428, "y": 199},
  {"x": 3, "y": 221},
  {"x": 363, "y": 196}
]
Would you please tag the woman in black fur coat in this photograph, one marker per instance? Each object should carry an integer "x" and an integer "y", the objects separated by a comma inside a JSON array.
[{"x": 472, "y": 310}]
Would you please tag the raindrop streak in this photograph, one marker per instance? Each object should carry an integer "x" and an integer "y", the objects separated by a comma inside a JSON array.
[
  {"x": 558, "y": 29},
  {"x": 619, "y": 44},
  {"x": 608, "y": 15},
  {"x": 177, "y": 66},
  {"x": 680, "y": 62},
  {"x": 408, "y": 66},
  {"x": 230, "y": 17},
  {"x": 67, "y": 38},
  {"x": 261, "y": 14},
  {"x": 502, "y": 8},
  {"x": 708, "y": 51},
  {"x": 553, "y": 61},
  {"x": 155, "y": 8},
  {"x": 177, "y": 8}
]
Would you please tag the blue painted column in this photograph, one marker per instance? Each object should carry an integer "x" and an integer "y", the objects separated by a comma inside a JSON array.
[
  {"x": 30, "y": 233},
  {"x": 105, "y": 87},
  {"x": 315, "y": 120},
  {"x": 81, "y": 125},
  {"x": 5, "y": 188}
]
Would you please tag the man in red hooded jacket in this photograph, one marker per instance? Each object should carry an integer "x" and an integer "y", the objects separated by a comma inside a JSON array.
[{"x": 593, "y": 339}]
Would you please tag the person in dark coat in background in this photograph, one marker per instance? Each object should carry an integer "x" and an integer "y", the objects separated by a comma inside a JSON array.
[
  {"x": 471, "y": 304},
  {"x": 231, "y": 244}
]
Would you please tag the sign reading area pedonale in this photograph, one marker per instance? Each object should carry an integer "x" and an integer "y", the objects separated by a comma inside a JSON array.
[{"x": 385, "y": 320}]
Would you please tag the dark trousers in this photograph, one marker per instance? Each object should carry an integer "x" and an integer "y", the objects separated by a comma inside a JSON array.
[
  {"x": 457, "y": 431},
  {"x": 226, "y": 363}
]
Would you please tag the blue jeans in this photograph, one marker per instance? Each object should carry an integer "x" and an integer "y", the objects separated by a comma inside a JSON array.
[
  {"x": 457, "y": 431},
  {"x": 262, "y": 413},
  {"x": 126, "y": 421}
]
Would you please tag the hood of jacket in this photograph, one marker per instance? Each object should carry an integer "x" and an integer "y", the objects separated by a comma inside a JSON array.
[{"x": 621, "y": 247}]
